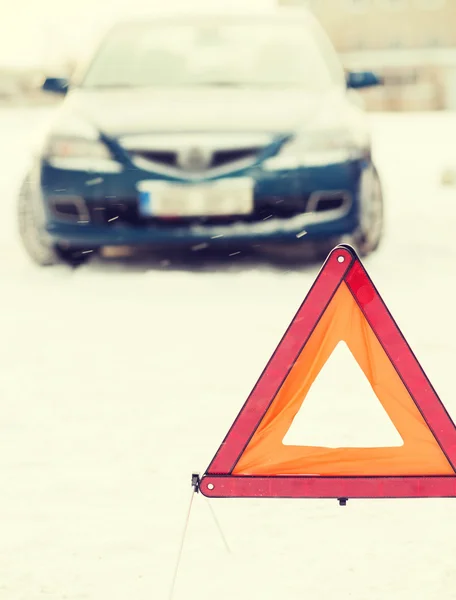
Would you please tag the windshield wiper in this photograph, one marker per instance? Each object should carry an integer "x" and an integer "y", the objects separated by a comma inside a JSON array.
[
  {"x": 107, "y": 86},
  {"x": 218, "y": 84}
]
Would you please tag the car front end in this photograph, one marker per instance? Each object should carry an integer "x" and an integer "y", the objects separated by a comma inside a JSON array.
[{"x": 200, "y": 189}]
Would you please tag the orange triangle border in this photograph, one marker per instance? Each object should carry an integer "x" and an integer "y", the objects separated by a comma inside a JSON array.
[{"x": 342, "y": 265}]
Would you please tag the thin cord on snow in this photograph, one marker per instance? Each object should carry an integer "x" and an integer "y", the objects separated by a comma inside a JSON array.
[
  {"x": 179, "y": 556},
  {"x": 217, "y": 524}
]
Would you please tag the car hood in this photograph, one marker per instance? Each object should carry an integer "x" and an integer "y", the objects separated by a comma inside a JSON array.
[{"x": 200, "y": 110}]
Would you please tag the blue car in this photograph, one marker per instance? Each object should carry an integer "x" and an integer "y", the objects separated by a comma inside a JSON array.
[{"x": 225, "y": 131}]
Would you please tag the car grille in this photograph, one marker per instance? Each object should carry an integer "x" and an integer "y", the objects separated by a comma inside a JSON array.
[{"x": 220, "y": 158}]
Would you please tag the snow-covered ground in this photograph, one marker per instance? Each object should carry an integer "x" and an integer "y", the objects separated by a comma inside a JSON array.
[{"x": 118, "y": 381}]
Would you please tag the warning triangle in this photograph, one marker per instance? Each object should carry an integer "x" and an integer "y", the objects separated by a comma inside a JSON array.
[
  {"x": 347, "y": 415},
  {"x": 256, "y": 459}
]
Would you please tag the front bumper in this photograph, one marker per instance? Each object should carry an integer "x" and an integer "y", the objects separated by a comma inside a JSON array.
[{"x": 101, "y": 209}]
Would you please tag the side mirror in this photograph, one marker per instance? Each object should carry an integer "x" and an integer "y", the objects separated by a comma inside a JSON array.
[
  {"x": 362, "y": 79},
  {"x": 55, "y": 85}
]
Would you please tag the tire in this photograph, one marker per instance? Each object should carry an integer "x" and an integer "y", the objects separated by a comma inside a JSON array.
[
  {"x": 370, "y": 233},
  {"x": 38, "y": 246}
]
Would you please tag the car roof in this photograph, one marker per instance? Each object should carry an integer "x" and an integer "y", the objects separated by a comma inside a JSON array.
[{"x": 274, "y": 15}]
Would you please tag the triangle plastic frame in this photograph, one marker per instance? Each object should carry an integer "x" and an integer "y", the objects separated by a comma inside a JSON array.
[{"x": 341, "y": 265}]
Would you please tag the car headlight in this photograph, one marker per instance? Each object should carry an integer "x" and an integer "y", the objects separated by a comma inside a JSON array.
[
  {"x": 74, "y": 147},
  {"x": 80, "y": 154},
  {"x": 319, "y": 141},
  {"x": 318, "y": 148}
]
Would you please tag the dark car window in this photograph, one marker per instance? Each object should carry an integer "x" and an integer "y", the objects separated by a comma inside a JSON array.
[{"x": 251, "y": 54}]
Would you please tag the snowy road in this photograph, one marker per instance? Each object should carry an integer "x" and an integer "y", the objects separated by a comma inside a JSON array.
[{"x": 117, "y": 382}]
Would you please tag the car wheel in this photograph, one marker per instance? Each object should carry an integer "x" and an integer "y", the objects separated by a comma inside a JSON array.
[
  {"x": 34, "y": 239},
  {"x": 369, "y": 235}
]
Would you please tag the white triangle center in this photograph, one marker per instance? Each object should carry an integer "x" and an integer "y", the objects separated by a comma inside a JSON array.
[{"x": 342, "y": 410}]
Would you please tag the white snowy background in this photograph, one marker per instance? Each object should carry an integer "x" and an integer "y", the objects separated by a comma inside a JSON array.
[{"x": 117, "y": 381}]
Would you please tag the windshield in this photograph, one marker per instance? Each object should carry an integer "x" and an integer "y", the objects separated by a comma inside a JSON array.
[{"x": 234, "y": 54}]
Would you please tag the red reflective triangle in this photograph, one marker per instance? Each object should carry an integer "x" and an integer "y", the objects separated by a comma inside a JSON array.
[{"x": 342, "y": 269}]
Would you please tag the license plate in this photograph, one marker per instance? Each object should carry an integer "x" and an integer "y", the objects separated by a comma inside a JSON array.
[{"x": 230, "y": 197}]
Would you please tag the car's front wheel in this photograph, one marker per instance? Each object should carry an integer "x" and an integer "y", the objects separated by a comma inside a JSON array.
[
  {"x": 36, "y": 243},
  {"x": 370, "y": 232}
]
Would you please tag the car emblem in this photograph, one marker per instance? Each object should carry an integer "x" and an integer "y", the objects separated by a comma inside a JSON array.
[{"x": 194, "y": 159}]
